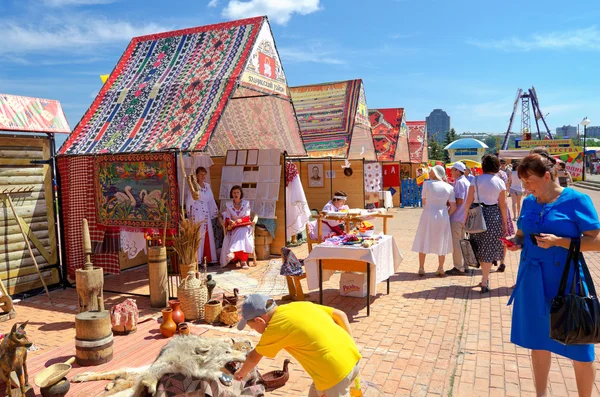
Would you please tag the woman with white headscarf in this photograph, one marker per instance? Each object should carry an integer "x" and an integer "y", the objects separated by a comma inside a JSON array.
[{"x": 434, "y": 235}]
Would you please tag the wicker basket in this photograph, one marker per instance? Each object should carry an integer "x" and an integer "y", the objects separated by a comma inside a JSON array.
[
  {"x": 229, "y": 315},
  {"x": 193, "y": 295},
  {"x": 212, "y": 311},
  {"x": 185, "y": 269}
]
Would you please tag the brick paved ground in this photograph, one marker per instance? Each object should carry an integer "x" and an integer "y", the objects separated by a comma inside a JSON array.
[{"x": 429, "y": 337}]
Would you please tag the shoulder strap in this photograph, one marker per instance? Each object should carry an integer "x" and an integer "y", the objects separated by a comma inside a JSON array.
[
  {"x": 477, "y": 189},
  {"x": 565, "y": 275}
]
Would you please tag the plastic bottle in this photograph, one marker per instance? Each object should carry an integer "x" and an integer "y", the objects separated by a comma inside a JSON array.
[{"x": 356, "y": 391}]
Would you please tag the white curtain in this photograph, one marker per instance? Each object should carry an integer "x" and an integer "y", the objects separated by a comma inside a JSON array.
[{"x": 297, "y": 211}]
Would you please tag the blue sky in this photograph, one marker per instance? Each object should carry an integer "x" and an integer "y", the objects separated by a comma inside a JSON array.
[{"x": 466, "y": 57}]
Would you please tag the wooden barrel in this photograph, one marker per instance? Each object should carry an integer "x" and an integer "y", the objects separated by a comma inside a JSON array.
[
  {"x": 93, "y": 338},
  {"x": 157, "y": 276},
  {"x": 263, "y": 252}
]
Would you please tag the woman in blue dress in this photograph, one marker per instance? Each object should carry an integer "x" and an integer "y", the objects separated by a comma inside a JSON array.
[{"x": 556, "y": 215}]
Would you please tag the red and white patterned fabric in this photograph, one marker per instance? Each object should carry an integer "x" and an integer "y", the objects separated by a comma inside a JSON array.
[
  {"x": 125, "y": 313},
  {"x": 373, "y": 177},
  {"x": 77, "y": 187},
  {"x": 291, "y": 171}
]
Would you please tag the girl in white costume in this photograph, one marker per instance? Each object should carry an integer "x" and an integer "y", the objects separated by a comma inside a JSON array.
[{"x": 238, "y": 242}]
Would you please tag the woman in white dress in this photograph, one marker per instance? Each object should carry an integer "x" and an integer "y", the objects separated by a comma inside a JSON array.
[
  {"x": 434, "y": 235},
  {"x": 204, "y": 209},
  {"x": 238, "y": 242}
]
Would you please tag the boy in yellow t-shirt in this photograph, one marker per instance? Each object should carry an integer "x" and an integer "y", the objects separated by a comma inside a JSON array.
[{"x": 318, "y": 337}]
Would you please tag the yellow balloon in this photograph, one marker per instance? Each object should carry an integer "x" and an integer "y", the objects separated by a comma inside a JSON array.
[{"x": 104, "y": 77}]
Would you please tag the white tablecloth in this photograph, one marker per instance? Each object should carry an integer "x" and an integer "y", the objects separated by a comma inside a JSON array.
[{"x": 384, "y": 257}]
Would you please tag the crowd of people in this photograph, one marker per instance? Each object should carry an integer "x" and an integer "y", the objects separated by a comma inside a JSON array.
[{"x": 548, "y": 216}]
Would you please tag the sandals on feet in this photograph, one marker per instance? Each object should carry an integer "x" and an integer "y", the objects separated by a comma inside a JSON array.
[
  {"x": 244, "y": 265},
  {"x": 501, "y": 268},
  {"x": 421, "y": 272},
  {"x": 485, "y": 288},
  {"x": 440, "y": 273}
]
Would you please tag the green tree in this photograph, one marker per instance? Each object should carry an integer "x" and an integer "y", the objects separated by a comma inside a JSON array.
[
  {"x": 435, "y": 151},
  {"x": 491, "y": 142},
  {"x": 450, "y": 137}
]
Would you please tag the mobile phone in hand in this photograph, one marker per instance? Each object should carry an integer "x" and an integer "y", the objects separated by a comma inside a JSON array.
[
  {"x": 533, "y": 238},
  {"x": 507, "y": 242}
]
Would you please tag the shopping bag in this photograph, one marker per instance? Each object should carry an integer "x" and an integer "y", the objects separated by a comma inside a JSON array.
[
  {"x": 475, "y": 220},
  {"x": 575, "y": 317},
  {"x": 467, "y": 247}
]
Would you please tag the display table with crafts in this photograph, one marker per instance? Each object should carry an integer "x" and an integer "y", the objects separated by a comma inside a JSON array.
[
  {"x": 378, "y": 257},
  {"x": 352, "y": 216}
]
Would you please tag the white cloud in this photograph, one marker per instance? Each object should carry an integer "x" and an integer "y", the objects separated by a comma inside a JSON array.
[
  {"x": 280, "y": 11},
  {"x": 587, "y": 39},
  {"x": 310, "y": 55},
  {"x": 76, "y": 35},
  {"x": 213, "y": 3},
  {"x": 62, "y": 3}
]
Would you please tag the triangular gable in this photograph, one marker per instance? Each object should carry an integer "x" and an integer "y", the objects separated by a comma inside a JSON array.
[
  {"x": 21, "y": 113},
  {"x": 389, "y": 134},
  {"x": 417, "y": 138},
  {"x": 361, "y": 142},
  {"x": 167, "y": 91},
  {"x": 260, "y": 113},
  {"x": 327, "y": 114}
]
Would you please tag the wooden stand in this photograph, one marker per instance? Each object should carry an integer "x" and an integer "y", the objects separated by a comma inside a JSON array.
[
  {"x": 89, "y": 280},
  {"x": 157, "y": 276}
]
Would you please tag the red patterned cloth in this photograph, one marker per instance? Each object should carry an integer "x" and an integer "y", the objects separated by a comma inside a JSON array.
[
  {"x": 77, "y": 189},
  {"x": 125, "y": 313},
  {"x": 231, "y": 225},
  {"x": 291, "y": 171}
]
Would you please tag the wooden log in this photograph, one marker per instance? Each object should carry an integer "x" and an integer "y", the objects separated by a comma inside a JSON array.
[
  {"x": 22, "y": 171},
  {"x": 9, "y": 238},
  {"x": 32, "y": 211},
  {"x": 16, "y": 260},
  {"x": 28, "y": 198},
  {"x": 93, "y": 338},
  {"x": 21, "y": 180},
  {"x": 46, "y": 273},
  {"x": 23, "y": 287},
  {"x": 21, "y": 271},
  {"x": 20, "y": 246},
  {"x": 28, "y": 218},
  {"x": 21, "y": 154},
  {"x": 35, "y": 143},
  {"x": 157, "y": 276}
]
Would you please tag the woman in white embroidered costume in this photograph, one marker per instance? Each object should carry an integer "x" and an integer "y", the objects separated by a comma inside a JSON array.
[
  {"x": 239, "y": 241},
  {"x": 204, "y": 209},
  {"x": 331, "y": 227}
]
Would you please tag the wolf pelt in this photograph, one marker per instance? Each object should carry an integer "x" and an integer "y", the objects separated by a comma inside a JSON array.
[{"x": 188, "y": 355}]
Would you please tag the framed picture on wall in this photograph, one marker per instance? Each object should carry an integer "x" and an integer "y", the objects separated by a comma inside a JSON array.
[{"x": 316, "y": 177}]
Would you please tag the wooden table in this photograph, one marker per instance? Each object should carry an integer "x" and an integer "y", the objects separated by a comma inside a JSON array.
[{"x": 347, "y": 218}]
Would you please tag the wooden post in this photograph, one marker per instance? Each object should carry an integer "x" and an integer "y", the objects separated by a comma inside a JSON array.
[{"x": 89, "y": 281}]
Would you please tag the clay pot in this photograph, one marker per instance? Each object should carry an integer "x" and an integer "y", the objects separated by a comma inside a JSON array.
[
  {"x": 58, "y": 389},
  {"x": 168, "y": 326},
  {"x": 183, "y": 329},
  {"x": 178, "y": 316}
]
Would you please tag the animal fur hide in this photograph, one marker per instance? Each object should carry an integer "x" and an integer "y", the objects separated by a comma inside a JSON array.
[{"x": 189, "y": 355}]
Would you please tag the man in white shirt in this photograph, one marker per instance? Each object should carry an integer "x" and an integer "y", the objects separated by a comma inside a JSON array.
[{"x": 457, "y": 219}]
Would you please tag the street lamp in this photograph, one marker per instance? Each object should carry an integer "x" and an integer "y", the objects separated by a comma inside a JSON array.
[{"x": 585, "y": 122}]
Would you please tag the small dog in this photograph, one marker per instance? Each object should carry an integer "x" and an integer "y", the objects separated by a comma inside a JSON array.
[{"x": 13, "y": 357}]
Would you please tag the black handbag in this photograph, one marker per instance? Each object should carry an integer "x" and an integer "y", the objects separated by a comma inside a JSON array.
[
  {"x": 469, "y": 249},
  {"x": 575, "y": 317}
]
